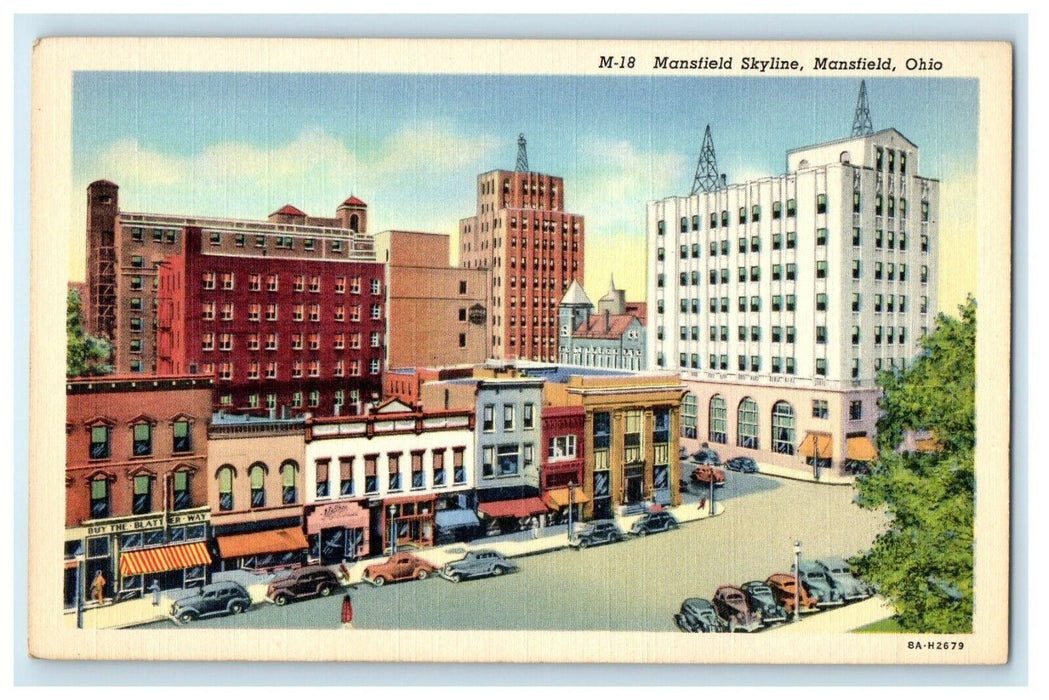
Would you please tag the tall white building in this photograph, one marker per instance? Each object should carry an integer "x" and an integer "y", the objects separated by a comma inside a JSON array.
[{"x": 780, "y": 299}]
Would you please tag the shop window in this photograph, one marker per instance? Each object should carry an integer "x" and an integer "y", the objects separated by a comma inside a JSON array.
[
  {"x": 747, "y": 424},
  {"x": 783, "y": 430},
  {"x": 718, "y": 419}
]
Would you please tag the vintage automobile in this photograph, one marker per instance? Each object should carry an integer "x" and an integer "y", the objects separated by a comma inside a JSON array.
[
  {"x": 305, "y": 582},
  {"x": 819, "y": 586},
  {"x": 744, "y": 465},
  {"x": 705, "y": 455},
  {"x": 763, "y": 601},
  {"x": 704, "y": 474},
  {"x": 698, "y": 615},
  {"x": 733, "y": 607},
  {"x": 222, "y": 598},
  {"x": 596, "y": 532},
  {"x": 841, "y": 577},
  {"x": 783, "y": 587},
  {"x": 400, "y": 567},
  {"x": 657, "y": 521},
  {"x": 478, "y": 564}
]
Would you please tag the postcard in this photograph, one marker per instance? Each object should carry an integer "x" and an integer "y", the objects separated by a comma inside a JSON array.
[{"x": 524, "y": 351}]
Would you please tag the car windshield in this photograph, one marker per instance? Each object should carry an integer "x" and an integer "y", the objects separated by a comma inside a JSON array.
[{"x": 762, "y": 594}]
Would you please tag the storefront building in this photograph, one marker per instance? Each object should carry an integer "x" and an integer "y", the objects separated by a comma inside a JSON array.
[{"x": 562, "y": 467}]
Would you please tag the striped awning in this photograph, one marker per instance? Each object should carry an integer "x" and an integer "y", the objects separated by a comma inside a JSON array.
[
  {"x": 152, "y": 561},
  {"x": 816, "y": 445}
]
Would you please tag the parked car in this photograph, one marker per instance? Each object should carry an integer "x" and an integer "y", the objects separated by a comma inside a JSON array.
[
  {"x": 222, "y": 598},
  {"x": 400, "y": 567},
  {"x": 478, "y": 564},
  {"x": 744, "y": 465},
  {"x": 732, "y": 606},
  {"x": 683, "y": 485},
  {"x": 699, "y": 615},
  {"x": 306, "y": 582},
  {"x": 596, "y": 532},
  {"x": 783, "y": 587},
  {"x": 704, "y": 474},
  {"x": 683, "y": 453},
  {"x": 819, "y": 585},
  {"x": 705, "y": 455},
  {"x": 658, "y": 521},
  {"x": 762, "y": 600},
  {"x": 840, "y": 575}
]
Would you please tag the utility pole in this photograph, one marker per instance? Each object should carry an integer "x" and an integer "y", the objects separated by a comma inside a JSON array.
[
  {"x": 861, "y": 121},
  {"x": 707, "y": 178},
  {"x": 797, "y": 580},
  {"x": 571, "y": 507}
]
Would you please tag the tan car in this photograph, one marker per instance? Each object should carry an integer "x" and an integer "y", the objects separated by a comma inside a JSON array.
[
  {"x": 783, "y": 587},
  {"x": 400, "y": 567}
]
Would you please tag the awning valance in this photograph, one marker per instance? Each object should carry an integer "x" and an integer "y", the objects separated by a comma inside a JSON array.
[
  {"x": 816, "y": 445},
  {"x": 558, "y": 498},
  {"x": 265, "y": 542},
  {"x": 518, "y": 508},
  {"x": 455, "y": 517},
  {"x": 153, "y": 561},
  {"x": 860, "y": 449}
]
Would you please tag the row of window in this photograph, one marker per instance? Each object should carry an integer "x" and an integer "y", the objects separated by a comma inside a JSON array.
[
  {"x": 298, "y": 312},
  {"x": 251, "y": 370},
  {"x": 338, "y": 245},
  {"x": 783, "y": 434},
  {"x": 297, "y": 399},
  {"x": 789, "y": 302},
  {"x": 779, "y": 364},
  {"x": 299, "y": 341},
  {"x": 143, "y": 433},
  {"x": 142, "y": 499},
  {"x": 509, "y": 417},
  {"x": 299, "y": 283},
  {"x": 158, "y": 235}
]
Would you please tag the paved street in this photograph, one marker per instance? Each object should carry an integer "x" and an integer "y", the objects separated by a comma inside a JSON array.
[{"x": 635, "y": 585}]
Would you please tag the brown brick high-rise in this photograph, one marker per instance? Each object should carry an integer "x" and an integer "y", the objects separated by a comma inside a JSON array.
[{"x": 534, "y": 250}]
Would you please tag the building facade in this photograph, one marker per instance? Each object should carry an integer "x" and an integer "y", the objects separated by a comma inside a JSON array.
[
  {"x": 124, "y": 250},
  {"x": 562, "y": 464},
  {"x": 612, "y": 338},
  {"x": 780, "y": 299},
  {"x": 136, "y": 485},
  {"x": 533, "y": 249},
  {"x": 281, "y": 334}
]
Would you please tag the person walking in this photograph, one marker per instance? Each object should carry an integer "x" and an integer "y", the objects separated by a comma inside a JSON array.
[
  {"x": 98, "y": 587},
  {"x": 154, "y": 588},
  {"x": 347, "y": 612}
]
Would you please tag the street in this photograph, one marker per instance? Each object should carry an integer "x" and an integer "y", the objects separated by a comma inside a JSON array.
[{"x": 636, "y": 585}]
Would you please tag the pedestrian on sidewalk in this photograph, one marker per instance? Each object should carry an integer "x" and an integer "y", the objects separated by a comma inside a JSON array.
[
  {"x": 98, "y": 587},
  {"x": 154, "y": 588},
  {"x": 347, "y": 612},
  {"x": 535, "y": 528},
  {"x": 702, "y": 503}
]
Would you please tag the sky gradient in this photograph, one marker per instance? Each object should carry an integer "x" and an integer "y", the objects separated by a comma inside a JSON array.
[{"x": 242, "y": 145}]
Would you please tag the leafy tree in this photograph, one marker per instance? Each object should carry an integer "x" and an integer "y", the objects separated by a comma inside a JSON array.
[
  {"x": 86, "y": 355},
  {"x": 924, "y": 562}
]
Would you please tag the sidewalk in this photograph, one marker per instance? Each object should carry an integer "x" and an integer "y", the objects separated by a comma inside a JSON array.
[
  {"x": 805, "y": 475},
  {"x": 517, "y": 544},
  {"x": 844, "y": 619}
]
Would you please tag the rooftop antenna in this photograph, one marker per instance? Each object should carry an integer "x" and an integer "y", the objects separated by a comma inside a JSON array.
[
  {"x": 522, "y": 155},
  {"x": 861, "y": 122},
  {"x": 706, "y": 179}
]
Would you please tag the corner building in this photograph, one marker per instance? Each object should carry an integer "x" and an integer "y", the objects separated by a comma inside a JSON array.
[
  {"x": 780, "y": 299},
  {"x": 533, "y": 248}
]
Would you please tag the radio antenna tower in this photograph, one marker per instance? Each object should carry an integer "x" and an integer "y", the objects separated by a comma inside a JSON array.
[
  {"x": 707, "y": 178},
  {"x": 522, "y": 155},
  {"x": 861, "y": 122}
]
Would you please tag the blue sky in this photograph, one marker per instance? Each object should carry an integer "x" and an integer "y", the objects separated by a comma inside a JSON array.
[{"x": 243, "y": 144}]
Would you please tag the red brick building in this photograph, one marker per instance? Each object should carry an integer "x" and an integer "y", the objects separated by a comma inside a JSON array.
[
  {"x": 533, "y": 248},
  {"x": 136, "y": 483},
  {"x": 562, "y": 460},
  {"x": 280, "y": 333}
]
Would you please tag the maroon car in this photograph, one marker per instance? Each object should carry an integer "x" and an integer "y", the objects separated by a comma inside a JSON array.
[
  {"x": 400, "y": 567},
  {"x": 704, "y": 474},
  {"x": 732, "y": 606}
]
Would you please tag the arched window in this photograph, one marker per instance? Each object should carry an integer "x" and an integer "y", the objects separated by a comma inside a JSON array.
[
  {"x": 355, "y": 221},
  {"x": 718, "y": 419},
  {"x": 257, "y": 475},
  {"x": 783, "y": 428},
  {"x": 747, "y": 424},
  {"x": 287, "y": 477},
  {"x": 225, "y": 477},
  {"x": 689, "y": 416}
]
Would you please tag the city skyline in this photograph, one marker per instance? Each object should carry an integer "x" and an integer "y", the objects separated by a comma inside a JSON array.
[{"x": 411, "y": 146}]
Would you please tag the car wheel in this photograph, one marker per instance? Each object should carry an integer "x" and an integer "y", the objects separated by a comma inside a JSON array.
[
  {"x": 237, "y": 607},
  {"x": 456, "y": 578},
  {"x": 421, "y": 574},
  {"x": 379, "y": 580},
  {"x": 280, "y": 599},
  {"x": 642, "y": 532},
  {"x": 498, "y": 571},
  {"x": 325, "y": 590},
  {"x": 187, "y": 617},
  {"x": 582, "y": 544}
]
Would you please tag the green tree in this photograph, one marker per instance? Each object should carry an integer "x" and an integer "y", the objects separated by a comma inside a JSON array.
[
  {"x": 924, "y": 562},
  {"x": 86, "y": 355}
]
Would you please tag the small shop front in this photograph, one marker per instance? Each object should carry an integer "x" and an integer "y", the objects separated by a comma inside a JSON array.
[
  {"x": 512, "y": 515},
  {"x": 263, "y": 550},
  {"x": 559, "y": 501},
  {"x": 337, "y": 532},
  {"x": 411, "y": 518},
  {"x": 859, "y": 453}
]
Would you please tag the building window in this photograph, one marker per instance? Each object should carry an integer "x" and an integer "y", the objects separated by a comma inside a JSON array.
[
  {"x": 100, "y": 497},
  {"x": 821, "y": 204},
  {"x": 821, "y": 367},
  {"x": 821, "y": 334},
  {"x": 821, "y": 302},
  {"x": 783, "y": 428},
  {"x": 181, "y": 437},
  {"x": 322, "y": 479},
  {"x": 142, "y": 442},
  {"x": 821, "y": 236},
  {"x": 257, "y": 475},
  {"x": 371, "y": 480},
  {"x": 718, "y": 419},
  {"x": 747, "y": 424},
  {"x": 225, "y": 478},
  {"x": 529, "y": 417},
  {"x": 821, "y": 269},
  {"x": 508, "y": 417},
  {"x": 689, "y": 416},
  {"x": 855, "y": 410},
  {"x": 182, "y": 496},
  {"x": 315, "y": 398}
]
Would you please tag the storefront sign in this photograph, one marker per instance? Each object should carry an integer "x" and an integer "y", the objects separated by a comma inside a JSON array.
[
  {"x": 149, "y": 523},
  {"x": 347, "y": 515}
]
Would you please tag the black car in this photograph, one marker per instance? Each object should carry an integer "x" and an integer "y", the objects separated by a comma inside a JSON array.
[
  {"x": 699, "y": 615},
  {"x": 596, "y": 532},
  {"x": 706, "y": 456},
  {"x": 763, "y": 601},
  {"x": 742, "y": 464},
  {"x": 213, "y": 599},
  {"x": 658, "y": 521}
]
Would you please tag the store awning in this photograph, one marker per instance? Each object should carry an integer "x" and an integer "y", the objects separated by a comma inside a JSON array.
[
  {"x": 153, "y": 561},
  {"x": 518, "y": 508},
  {"x": 265, "y": 542},
  {"x": 860, "y": 449},
  {"x": 816, "y": 444},
  {"x": 456, "y": 517},
  {"x": 928, "y": 442},
  {"x": 558, "y": 498}
]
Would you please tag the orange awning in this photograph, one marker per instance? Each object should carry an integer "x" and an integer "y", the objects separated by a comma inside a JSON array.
[
  {"x": 152, "y": 561},
  {"x": 518, "y": 508},
  {"x": 860, "y": 449},
  {"x": 816, "y": 444},
  {"x": 558, "y": 498},
  {"x": 929, "y": 443},
  {"x": 265, "y": 542}
]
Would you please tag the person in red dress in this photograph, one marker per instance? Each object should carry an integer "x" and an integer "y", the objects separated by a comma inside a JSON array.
[{"x": 347, "y": 612}]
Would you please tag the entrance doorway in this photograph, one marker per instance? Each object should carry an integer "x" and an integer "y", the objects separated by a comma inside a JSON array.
[{"x": 635, "y": 485}]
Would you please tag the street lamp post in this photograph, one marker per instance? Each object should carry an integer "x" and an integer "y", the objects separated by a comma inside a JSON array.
[
  {"x": 571, "y": 506},
  {"x": 393, "y": 530},
  {"x": 797, "y": 580},
  {"x": 711, "y": 499}
]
